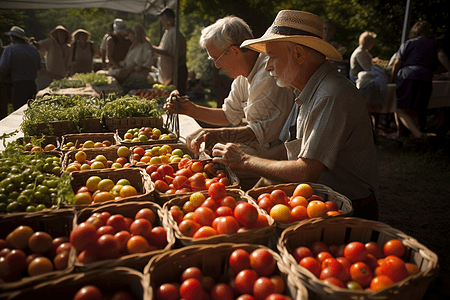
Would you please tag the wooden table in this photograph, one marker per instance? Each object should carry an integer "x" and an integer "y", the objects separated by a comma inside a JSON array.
[{"x": 440, "y": 97}]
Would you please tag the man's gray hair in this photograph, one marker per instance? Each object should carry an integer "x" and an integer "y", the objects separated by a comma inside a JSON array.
[{"x": 225, "y": 32}]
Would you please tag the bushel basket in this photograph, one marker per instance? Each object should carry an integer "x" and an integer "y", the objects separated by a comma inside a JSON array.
[
  {"x": 212, "y": 260},
  {"x": 135, "y": 261},
  {"x": 255, "y": 235},
  {"x": 338, "y": 231},
  {"x": 327, "y": 194}
]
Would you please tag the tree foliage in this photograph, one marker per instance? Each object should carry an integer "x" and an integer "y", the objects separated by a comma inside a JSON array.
[{"x": 350, "y": 19}]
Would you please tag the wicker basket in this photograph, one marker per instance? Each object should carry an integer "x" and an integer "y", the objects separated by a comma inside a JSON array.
[
  {"x": 135, "y": 261},
  {"x": 181, "y": 146},
  {"x": 161, "y": 198},
  {"x": 108, "y": 281},
  {"x": 344, "y": 230},
  {"x": 57, "y": 223},
  {"x": 109, "y": 152},
  {"x": 255, "y": 236},
  {"x": 327, "y": 194},
  {"x": 212, "y": 260},
  {"x": 137, "y": 177},
  {"x": 78, "y": 138}
]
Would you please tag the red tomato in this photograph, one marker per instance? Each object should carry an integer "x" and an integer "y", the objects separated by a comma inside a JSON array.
[
  {"x": 380, "y": 282},
  {"x": 301, "y": 252},
  {"x": 176, "y": 213},
  {"x": 361, "y": 273},
  {"x": 245, "y": 213},
  {"x": 371, "y": 261},
  {"x": 278, "y": 196},
  {"x": 226, "y": 225},
  {"x": 266, "y": 204},
  {"x": 312, "y": 265},
  {"x": 222, "y": 291},
  {"x": 261, "y": 222},
  {"x": 184, "y": 163},
  {"x": 223, "y": 211},
  {"x": 245, "y": 297},
  {"x": 228, "y": 201},
  {"x": 196, "y": 167},
  {"x": 329, "y": 272},
  {"x": 161, "y": 186},
  {"x": 191, "y": 289},
  {"x": 412, "y": 268},
  {"x": 318, "y": 247},
  {"x": 210, "y": 169},
  {"x": 344, "y": 276},
  {"x": 277, "y": 296},
  {"x": 210, "y": 203},
  {"x": 197, "y": 182},
  {"x": 263, "y": 262},
  {"x": 191, "y": 272},
  {"x": 180, "y": 182},
  {"x": 333, "y": 263},
  {"x": 263, "y": 287},
  {"x": 394, "y": 267},
  {"x": 217, "y": 191},
  {"x": 323, "y": 255},
  {"x": 208, "y": 283},
  {"x": 239, "y": 260},
  {"x": 167, "y": 291},
  {"x": 331, "y": 206},
  {"x": 204, "y": 216},
  {"x": 374, "y": 249},
  {"x": 225, "y": 181},
  {"x": 204, "y": 231},
  {"x": 261, "y": 196},
  {"x": 394, "y": 247},
  {"x": 165, "y": 169},
  {"x": 245, "y": 280},
  {"x": 334, "y": 281},
  {"x": 355, "y": 252},
  {"x": 84, "y": 236},
  {"x": 339, "y": 251}
]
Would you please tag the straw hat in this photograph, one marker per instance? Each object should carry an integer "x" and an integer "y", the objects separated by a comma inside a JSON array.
[
  {"x": 78, "y": 31},
  {"x": 295, "y": 26},
  {"x": 60, "y": 27},
  {"x": 17, "y": 32}
]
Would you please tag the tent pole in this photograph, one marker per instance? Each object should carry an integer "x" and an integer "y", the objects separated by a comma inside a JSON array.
[{"x": 406, "y": 20}]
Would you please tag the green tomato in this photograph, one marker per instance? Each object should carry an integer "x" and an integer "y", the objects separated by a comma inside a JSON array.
[
  {"x": 3, "y": 198},
  {"x": 42, "y": 188},
  {"x": 40, "y": 207},
  {"x": 12, "y": 207},
  {"x": 30, "y": 208},
  {"x": 40, "y": 178},
  {"x": 13, "y": 195}
]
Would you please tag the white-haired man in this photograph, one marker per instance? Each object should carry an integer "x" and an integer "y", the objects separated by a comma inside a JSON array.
[
  {"x": 332, "y": 141},
  {"x": 254, "y": 94}
]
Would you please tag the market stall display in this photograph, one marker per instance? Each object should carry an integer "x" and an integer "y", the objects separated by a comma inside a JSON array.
[{"x": 88, "y": 140}]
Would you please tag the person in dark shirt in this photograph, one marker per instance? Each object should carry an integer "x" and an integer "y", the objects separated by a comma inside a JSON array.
[{"x": 22, "y": 62}]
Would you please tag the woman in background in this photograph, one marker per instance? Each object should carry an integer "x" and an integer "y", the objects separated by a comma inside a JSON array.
[
  {"x": 138, "y": 61},
  {"x": 83, "y": 52},
  {"x": 413, "y": 73}
]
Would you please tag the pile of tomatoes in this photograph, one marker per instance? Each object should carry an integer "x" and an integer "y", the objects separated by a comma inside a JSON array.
[
  {"x": 301, "y": 205},
  {"x": 108, "y": 236},
  {"x": 251, "y": 276},
  {"x": 191, "y": 176},
  {"x": 356, "y": 265},
  {"x": 26, "y": 252},
  {"x": 220, "y": 213}
]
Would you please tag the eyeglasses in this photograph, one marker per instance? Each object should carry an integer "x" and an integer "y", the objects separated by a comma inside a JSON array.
[{"x": 217, "y": 60}]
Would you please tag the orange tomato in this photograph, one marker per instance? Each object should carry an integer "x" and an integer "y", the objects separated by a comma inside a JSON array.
[
  {"x": 361, "y": 273},
  {"x": 394, "y": 247}
]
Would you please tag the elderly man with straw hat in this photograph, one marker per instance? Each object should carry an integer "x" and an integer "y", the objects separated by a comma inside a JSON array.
[
  {"x": 331, "y": 139},
  {"x": 22, "y": 62}
]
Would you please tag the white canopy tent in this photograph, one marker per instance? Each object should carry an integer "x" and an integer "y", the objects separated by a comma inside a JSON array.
[{"x": 152, "y": 7}]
